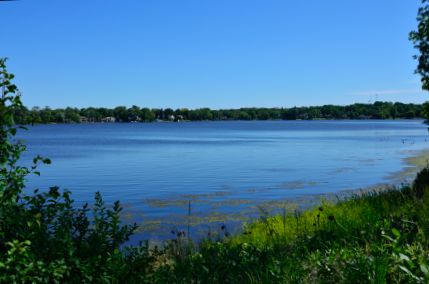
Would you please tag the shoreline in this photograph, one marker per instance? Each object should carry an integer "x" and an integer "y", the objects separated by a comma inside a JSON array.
[
  {"x": 417, "y": 160},
  {"x": 412, "y": 165},
  {"x": 225, "y": 120}
]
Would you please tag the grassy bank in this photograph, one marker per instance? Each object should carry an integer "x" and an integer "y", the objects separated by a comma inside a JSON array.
[{"x": 376, "y": 237}]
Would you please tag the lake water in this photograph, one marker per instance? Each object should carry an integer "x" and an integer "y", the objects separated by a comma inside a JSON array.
[{"x": 225, "y": 169}]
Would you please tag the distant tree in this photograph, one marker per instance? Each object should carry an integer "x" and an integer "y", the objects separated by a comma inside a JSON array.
[
  {"x": 377, "y": 110},
  {"x": 314, "y": 113},
  {"x": 120, "y": 114},
  {"x": 206, "y": 114},
  {"x": 147, "y": 115},
  {"x": 35, "y": 115},
  {"x": 72, "y": 115},
  {"x": 425, "y": 111},
  {"x": 46, "y": 115},
  {"x": 184, "y": 112},
  {"x": 168, "y": 112},
  {"x": 159, "y": 113},
  {"x": 59, "y": 116},
  {"x": 92, "y": 114},
  {"x": 105, "y": 112},
  {"x": 134, "y": 113}
]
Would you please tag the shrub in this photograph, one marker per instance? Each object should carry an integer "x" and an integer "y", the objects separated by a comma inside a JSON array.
[
  {"x": 421, "y": 183},
  {"x": 43, "y": 236}
]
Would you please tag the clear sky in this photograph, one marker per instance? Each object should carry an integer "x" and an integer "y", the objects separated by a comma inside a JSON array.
[{"x": 210, "y": 53}]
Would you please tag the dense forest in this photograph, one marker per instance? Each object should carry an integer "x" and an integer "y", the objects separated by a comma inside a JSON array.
[{"x": 377, "y": 110}]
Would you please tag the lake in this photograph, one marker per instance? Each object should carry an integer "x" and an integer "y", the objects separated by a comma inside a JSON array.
[{"x": 227, "y": 170}]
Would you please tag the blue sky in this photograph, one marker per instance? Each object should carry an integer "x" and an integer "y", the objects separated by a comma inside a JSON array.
[{"x": 210, "y": 53}]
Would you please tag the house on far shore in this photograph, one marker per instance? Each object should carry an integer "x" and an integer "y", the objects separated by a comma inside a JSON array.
[
  {"x": 83, "y": 119},
  {"x": 108, "y": 119}
]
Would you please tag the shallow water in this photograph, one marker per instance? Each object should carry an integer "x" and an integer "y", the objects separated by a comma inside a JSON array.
[{"x": 225, "y": 169}]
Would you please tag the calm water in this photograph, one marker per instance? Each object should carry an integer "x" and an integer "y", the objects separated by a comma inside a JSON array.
[{"x": 224, "y": 168}]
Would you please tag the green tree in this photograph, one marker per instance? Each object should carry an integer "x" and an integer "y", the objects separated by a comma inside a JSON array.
[
  {"x": 425, "y": 111},
  {"x": 46, "y": 115},
  {"x": 134, "y": 113},
  {"x": 420, "y": 39},
  {"x": 72, "y": 115},
  {"x": 121, "y": 114},
  {"x": 147, "y": 115}
]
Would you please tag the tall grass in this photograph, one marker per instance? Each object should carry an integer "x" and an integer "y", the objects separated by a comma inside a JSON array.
[{"x": 374, "y": 237}]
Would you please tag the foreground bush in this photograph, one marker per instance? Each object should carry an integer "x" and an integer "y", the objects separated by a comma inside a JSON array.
[{"x": 43, "y": 236}]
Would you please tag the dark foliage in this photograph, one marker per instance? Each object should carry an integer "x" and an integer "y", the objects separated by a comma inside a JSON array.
[
  {"x": 44, "y": 238},
  {"x": 377, "y": 110},
  {"x": 421, "y": 183},
  {"x": 420, "y": 39}
]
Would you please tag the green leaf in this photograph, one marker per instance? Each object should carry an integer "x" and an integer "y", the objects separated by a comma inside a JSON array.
[
  {"x": 396, "y": 233},
  {"x": 424, "y": 268},
  {"x": 406, "y": 270},
  {"x": 403, "y": 257}
]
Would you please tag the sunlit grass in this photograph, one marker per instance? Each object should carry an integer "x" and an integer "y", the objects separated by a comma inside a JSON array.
[{"x": 372, "y": 237}]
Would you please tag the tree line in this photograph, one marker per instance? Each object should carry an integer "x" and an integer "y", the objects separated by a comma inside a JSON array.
[{"x": 377, "y": 110}]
